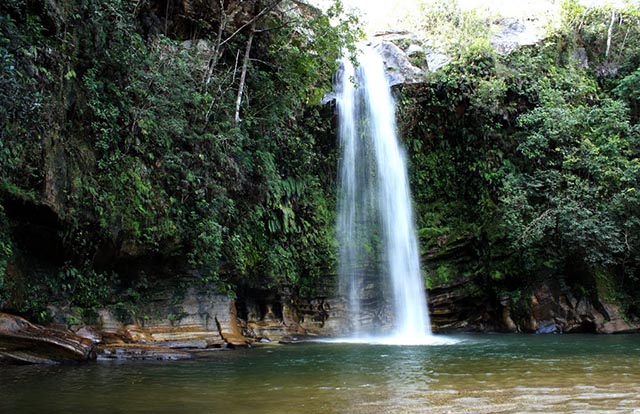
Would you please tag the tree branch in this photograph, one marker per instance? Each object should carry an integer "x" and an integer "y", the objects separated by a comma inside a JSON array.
[{"x": 252, "y": 21}]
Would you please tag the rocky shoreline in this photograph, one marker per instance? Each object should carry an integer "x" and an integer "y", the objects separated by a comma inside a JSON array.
[{"x": 211, "y": 322}]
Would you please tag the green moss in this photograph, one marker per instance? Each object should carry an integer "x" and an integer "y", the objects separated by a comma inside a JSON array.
[
  {"x": 605, "y": 286},
  {"x": 441, "y": 276}
]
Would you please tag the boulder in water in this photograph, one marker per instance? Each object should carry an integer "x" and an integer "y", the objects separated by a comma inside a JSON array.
[
  {"x": 548, "y": 327},
  {"x": 614, "y": 322}
]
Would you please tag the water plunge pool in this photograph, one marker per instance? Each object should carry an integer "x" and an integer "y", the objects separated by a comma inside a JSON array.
[{"x": 478, "y": 374}]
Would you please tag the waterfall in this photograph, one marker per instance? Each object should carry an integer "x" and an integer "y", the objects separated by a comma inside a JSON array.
[{"x": 376, "y": 234}]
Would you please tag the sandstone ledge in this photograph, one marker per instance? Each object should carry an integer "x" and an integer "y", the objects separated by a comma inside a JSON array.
[{"x": 24, "y": 342}]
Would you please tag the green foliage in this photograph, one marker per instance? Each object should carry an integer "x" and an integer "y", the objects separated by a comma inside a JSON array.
[
  {"x": 577, "y": 164},
  {"x": 78, "y": 290},
  {"x": 6, "y": 253},
  {"x": 24, "y": 74},
  {"x": 609, "y": 34},
  {"x": 175, "y": 174},
  {"x": 605, "y": 286},
  {"x": 441, "y": 276},
  {"x": 82, "y": 287},
  {"x": 136, "y": 137},
  {"x": 448, "y": 26},
  {"x": 526, "y": 165},
  {"x": 628, "y": 90}
]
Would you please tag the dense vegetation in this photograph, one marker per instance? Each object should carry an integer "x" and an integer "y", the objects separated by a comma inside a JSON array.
[
  {"x": 526, "y": 167},
  {"x": 150, "y": 141},
  {"x": 163, "y": 144}
]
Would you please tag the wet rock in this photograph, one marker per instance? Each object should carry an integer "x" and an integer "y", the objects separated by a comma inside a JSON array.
[
  {"x": 135, "y": 333},
  {"x": 318, "y": 316},
  {"x": 557, "y": 310},
  {"x": 58, "y": 317},
  {"x": 187, "y": 344},
  {"x": 111, "y": 338},
  {"x": 398, "y": 67},
  {"x": 614, "y": 322},
  {"x": 548, "y": 327},
  {"x": 509, "y": 324},
  {"x": 530, "y": 324},
  {"x": 507, "y": 321},
  {"x": 552, "y": 305},
  {"x": 294, "y": 339},
  {"x": 227, "y": 322},
  {"x": 139, "y": 352},
  {"x": 579, "y": 316},
  {"x": 544, "y": 305},
  {"x": 333, "y": 314},
  {"x": 22, "y": 341},
  {"x": 90, "y": 333},
  {"x": 272, "y": 316},
  {"x": 271, "y": 329}
]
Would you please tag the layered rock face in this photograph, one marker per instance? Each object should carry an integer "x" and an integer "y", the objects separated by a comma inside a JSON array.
[
  {"x": 207, "y": 321},
  {"x": 548, "y": 310},
  {"x": 173, "y": 328}
]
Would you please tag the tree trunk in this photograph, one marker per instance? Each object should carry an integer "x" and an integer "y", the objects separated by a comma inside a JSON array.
[
  {"x": 243, "y": 74},
  {"x": 610, "y": 34}
]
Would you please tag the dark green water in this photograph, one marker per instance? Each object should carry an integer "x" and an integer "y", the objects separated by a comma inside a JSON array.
[{"x": 481, "y": 374}]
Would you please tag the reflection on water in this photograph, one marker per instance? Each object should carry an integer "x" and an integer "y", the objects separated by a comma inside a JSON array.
[
  {"x": 480, "y": 374},
  {"x": 428, "y": 340}
]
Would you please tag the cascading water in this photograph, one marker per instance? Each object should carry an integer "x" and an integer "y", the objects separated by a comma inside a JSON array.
[{"x": 375, "y": 216}]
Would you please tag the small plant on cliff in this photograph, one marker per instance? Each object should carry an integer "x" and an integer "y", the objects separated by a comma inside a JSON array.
[{"x": 6, "y": 253}]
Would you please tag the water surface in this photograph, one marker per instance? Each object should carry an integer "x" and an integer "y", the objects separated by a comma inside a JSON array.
[{"x": 480, "y": 374}]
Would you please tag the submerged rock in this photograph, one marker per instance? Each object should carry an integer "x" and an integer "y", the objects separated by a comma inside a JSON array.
[
  {"x": 187, "y": 344},
  {"x": 22, "y": 341},
  {"x": 548, "y": 327}
]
